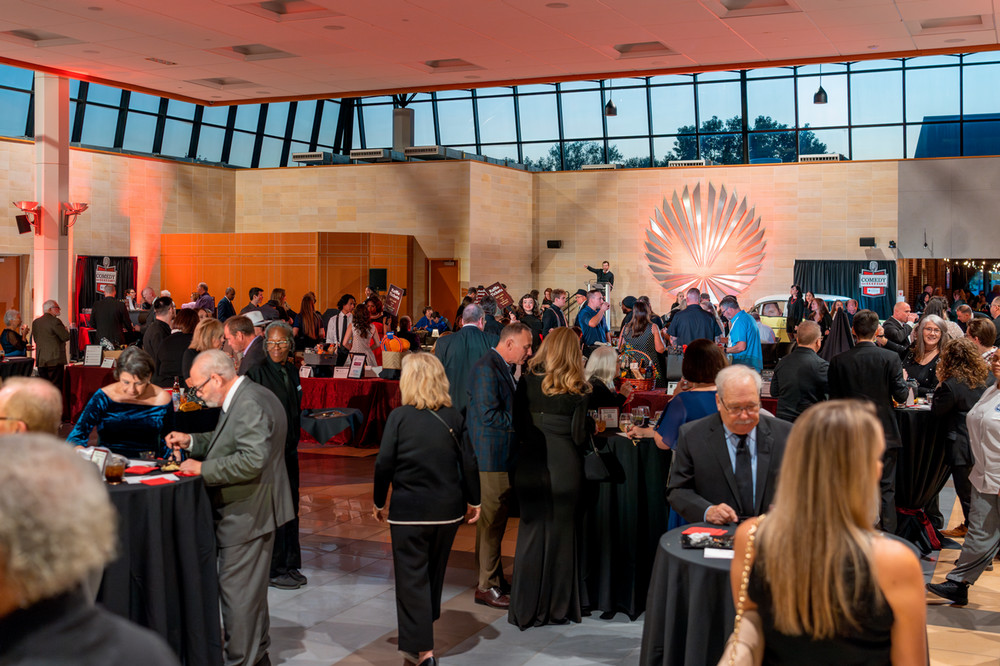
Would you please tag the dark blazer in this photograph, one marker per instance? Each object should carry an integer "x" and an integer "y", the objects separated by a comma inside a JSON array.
[
  {"x": 871, "y": 373},
  {"x": 50, "y": 336},
  {"x": 897, "y": 336},
  {"x": 154, "y": 335},
  {"x": 996, "y": 323},
  {"x": 111, "y": 320},
  {"x": 169, "y": 358},
  {"x": 253, "y": 355},
  {"x": 602, "y": 396},
  {"x": 458, "y": 352},
  {"x": 225, "y": 309},
  {"x": 952, "y": 401},
  {"x": 794, "y": 313},
  {"x": 701, "y": 474},
  {"x": 490, "y": 415},
  {"x": 492, "y": 328},
  {"x": 552, "y": 318},
  {"x": 799, "y": 381}
]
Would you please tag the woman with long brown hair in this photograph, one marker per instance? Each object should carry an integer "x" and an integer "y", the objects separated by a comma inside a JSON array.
[
  {"x": 550, "y": 410},
  {"x": 308, "y": 325},
  {"x": 641, "y": 334},
  {"x": 361, "y": 337},
  {"x": 820, "y": 313},
  {"x": 828, "y": 587}
]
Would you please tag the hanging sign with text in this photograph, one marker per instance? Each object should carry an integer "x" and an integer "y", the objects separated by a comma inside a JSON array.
[
  {"x": 393, "y": 298},
  {"x": 497, "y": 291}
]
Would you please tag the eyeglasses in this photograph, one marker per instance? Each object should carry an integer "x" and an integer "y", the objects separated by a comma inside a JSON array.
[
  {"x": 196, "y": 390},
  {"x": 736, "y": 410},
  {"x": 276, "y": 343}
]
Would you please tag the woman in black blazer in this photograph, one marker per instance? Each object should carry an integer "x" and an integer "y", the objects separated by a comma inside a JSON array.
[
  {"x": 962, "y": 373},
  {"x": 432, "y": 468},
  {"x": 795, "y": 310}
]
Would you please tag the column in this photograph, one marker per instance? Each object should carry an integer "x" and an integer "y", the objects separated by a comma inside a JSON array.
[{"x": 53, "y": 253}]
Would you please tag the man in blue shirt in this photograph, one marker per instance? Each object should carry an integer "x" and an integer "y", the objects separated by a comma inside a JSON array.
[
  {"x": 432, "y": 320},
  {"x": 744, "y": 337},
  {"x": 692, "y": 323},
  {"x": 591, "y": 319}
]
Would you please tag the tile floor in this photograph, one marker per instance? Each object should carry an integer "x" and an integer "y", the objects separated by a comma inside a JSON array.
[{"x": 346, "y": 614}]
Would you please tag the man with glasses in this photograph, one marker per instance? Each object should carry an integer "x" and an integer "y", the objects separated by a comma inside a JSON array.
[
  {"x": 726, "y": 465},
  {"x": 50, "y": 336}
]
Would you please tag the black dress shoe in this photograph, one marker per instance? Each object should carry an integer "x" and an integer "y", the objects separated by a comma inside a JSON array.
[
  {"x": 956, "y": 593},
  {"x": 297, "y": 575},
  {"x": 493, "y": 598},
  {"x": 505, "y": 587},
  {"x": 284, "y": 582},
  {"x": 429, "y": 661}
]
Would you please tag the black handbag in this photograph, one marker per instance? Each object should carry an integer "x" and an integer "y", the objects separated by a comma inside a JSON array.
[{"x": 602, "y": 465}]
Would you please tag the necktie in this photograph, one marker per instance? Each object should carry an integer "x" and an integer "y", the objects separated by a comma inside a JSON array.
[{"x": 744, "y": 477}]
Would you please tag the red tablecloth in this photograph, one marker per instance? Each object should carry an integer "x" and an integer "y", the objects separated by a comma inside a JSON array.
[
  {"x": 374, "y": 397},
  {"x": 657, "y": 399},
  {"x": 81, "y": 383}
]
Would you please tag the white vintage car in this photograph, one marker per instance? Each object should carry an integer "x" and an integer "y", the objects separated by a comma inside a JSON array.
[{"x": 772, "y": 311}]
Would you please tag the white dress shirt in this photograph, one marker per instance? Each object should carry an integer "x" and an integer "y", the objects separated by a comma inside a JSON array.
[{"x": 983, "y": 422}]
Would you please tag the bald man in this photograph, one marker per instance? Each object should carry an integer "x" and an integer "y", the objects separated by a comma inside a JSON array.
[{"x": 29, "y": 405}]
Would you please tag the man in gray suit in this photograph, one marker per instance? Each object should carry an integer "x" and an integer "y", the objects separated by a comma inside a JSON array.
[
  {"x": 459, "y": 351},
  {"x": 243, "y": 467}
]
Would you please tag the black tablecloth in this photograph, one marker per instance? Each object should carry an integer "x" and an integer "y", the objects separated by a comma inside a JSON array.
[
  {"x": 165, "y": 576},
  {"x": 200, "y": 420},
  {"x": 325, "y": 429},
  {"x": 16, "y": 367},
  {"x": 690, "y": 611},
  {"x": 921, "y": 473},
  {"x": 622, "y": 527}
]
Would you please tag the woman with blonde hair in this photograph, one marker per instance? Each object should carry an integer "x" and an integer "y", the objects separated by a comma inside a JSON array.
[
  {"x": 432, "y": 469},
  {"x": 550, "y": 411},
  {"x": 208, "y": 334},
  {"x": 828, "y": 587}
]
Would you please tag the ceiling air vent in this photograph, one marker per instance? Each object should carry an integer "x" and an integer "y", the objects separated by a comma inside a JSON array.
[
  {"x": 644, "y": 50},
  {"x": 949, "y": 24},
  {"x": 251, "y": 52},
  {"x": 223, "y": 83},
  {"x": 829, "y": 157},
  {"x": 287, "y": 10},
  {"x": 727, "y": 9},
  {"x": 690, "y": 163},
  {"x": 37, "y": 38},
  {"x": 600, "y": 167},
  {"x": 450, "y": 65}
]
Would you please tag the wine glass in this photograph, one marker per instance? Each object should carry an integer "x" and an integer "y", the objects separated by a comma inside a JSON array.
[
  {"x": 624, "y": 421},
  {"x": 640, "y": 415}
]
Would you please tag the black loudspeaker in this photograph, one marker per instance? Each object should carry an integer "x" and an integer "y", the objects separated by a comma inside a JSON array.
[
  {"x": 23, "y": 226},
  {"x": 867, "y": 241},
  {"x": 377, "y": 279},
  {"x": 554, "y": 245}
]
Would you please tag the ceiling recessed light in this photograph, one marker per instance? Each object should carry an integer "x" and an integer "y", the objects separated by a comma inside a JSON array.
[
  {"x": 557, "y": 5},
  {"x": 472, "y": 76},
  {"x": 216, "y": 96},
  {"x": 263, "y": 92},
  {"x": 954, "y": 40},
  {"x": 333, "y": 27},
  {"x": 90, "y": 51},
  {"x": 96, "y": 9},
  {"x": 873, "y": 46},
  {"x": 161, "y": 61}
]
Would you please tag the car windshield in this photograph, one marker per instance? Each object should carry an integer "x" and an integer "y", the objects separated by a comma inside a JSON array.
[{"x": 772, "y": 309}]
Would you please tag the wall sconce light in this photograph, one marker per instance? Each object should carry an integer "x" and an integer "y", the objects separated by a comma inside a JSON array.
[
  {"x": 70, "y": 212},
  {"x": 32, "y": 215}
]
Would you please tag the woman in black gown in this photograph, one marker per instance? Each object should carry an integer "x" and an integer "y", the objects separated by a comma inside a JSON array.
[{"x": 550, "y": 408}]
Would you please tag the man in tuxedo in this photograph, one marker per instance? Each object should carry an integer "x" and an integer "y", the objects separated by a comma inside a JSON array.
[
  {"x": 726, "y": 465},
  {"x": 226, "y": 309},
  {"x": 459, "y": 351},
  {"x": 491, "y": 429},
  {"x": 554, "y": 317},
  {"x": 159, "y": 328},
  {"x": 800, "y": 378},
  {"x": 242, "y": 338},
  {"x": 869, "y": 373},
  {"x": 242, "y": 464},
  {"x": 110, "y": 317}
]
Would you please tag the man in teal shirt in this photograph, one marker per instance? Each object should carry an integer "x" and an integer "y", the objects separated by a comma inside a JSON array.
[{"x": 744, "y": 338}]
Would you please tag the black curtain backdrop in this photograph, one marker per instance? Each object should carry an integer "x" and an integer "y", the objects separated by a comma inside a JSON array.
[
  {"x": 841, "y": 278},
  {"x": 86, "y": 279}
]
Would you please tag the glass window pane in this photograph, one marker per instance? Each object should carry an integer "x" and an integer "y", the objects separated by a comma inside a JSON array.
[
  {"x": 771, "y": 98},
  {"x": 99, "y": 125},
  {"x": 669, "y": 148},
  {"x": 823, "y": 142},
  {"x": 141, "y": 102},
  {"x": 13, "y": 112},
  {"x": 241, "y": 152},
  {"x": 247, "y": 116},
  {"x": 981, "y": 138},
  {"x": 582, "y": 113},
  {"x": 496, "y": 120},
  {"x": 328, "y": 122},
  {"x": 139, "y": 131},
  {"x": 722, "y": 101},
  {"x": 453, "y": 94},
  {"x": 15, "y": 77},
  {"x": 672, "y": 78},
  {"x": 277, "y": 119},
  {"x": 932, "y": 93},
  {"x": 177, "y": 109},
  {"x": 983, "y": 56},
  {"x": 104, "y": 94},
  {"x": 630, "y": 153},
  {"x": 717, "y": 76},
  {"x": 769, "y": 72},
  {"x": 423, "y": 124},
  {"x": 877, "y": 143},
  {"x": 722, "y": 148},
  {"x": 455, "y": 120},
  {"x": 176, "y": 138},
  {"x": 877, "y": 98},
  {"x": 579, "y": 85},
  {"x": 538, "y": 117},
  {"x": 633, "y": 114},
  {"x": 542, "y": 156},
  {"x": 210, "y": 143},
  {"x": 378, "y": 125},
  {"x": 826, "y": 68},
  {"x": 933, "y": 140},
  {"x": 980, "y": 92},
  {"x": 770, "y": 147},
  {"x": 270, "y": 152},
  {"x": 924, "y": 61},
  {"x": 501, "y": 151},
  {"x": 215, "y": 115},
  {"x": 834, "y": 112},
  {"x": 305, "y": 114},
  {"x": 74, "y": 89},
  {"x": 673, "y": 109},
  {"x": 536, "y": 88},
  {"x": 488, "y": 92},
  {"x": 866, "y": 65},
  {"x": 578, "y": 153}
]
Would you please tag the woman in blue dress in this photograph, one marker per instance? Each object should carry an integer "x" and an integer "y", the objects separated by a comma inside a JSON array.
[
  {"x": 129, "y": 415},
  {"x": 12, "y": 336}
]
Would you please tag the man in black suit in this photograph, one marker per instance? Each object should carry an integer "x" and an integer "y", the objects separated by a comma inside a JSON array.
[
  {"x": 800, "y": 378},
  {"x": 459, "y": 351},
  {"x": 491, "y": 429},
  {"x": 897, "y": 329},
  {"x": 242, "y": 338},
  {"x": 554, "y": 317},
  {"x": 110, "y": 317},
  {"x": 869, "y": 373},
  {"x": 726, "y": 465},
  {"x": 159, "y": 328},
  {"x": 225, "y": 310}
]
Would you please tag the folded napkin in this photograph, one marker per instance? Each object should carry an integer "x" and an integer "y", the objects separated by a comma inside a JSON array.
[
  {"x": 714, "y": 531},
  {"x": 157, "y": 481},
  {"x": 185, "y": 474},
  {"x": 139, "y": 469}
]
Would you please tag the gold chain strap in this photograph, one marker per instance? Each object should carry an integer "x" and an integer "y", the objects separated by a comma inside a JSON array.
[{"x": 741, "y": 599}]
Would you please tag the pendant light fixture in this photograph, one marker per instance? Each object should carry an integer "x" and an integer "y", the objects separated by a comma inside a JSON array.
[
  {"x": 820, "y": 96},
  {"x": 610, "y": 109}
]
